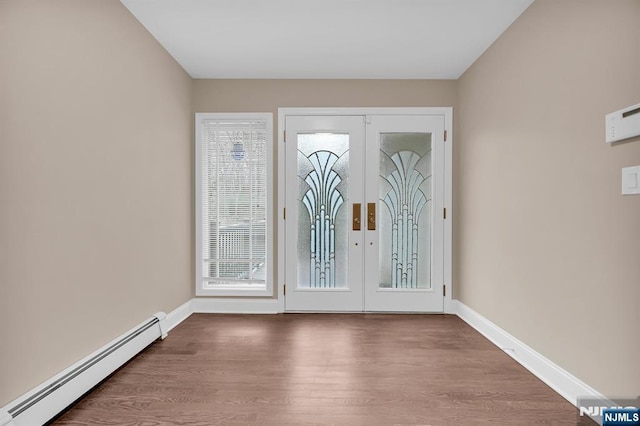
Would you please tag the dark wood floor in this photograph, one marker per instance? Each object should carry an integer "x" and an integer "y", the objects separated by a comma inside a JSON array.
[{"x": 346, "y": 369}]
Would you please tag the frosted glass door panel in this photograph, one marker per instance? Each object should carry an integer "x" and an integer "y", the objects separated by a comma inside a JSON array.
[
  {"x": 322, "y": 180},
  {"x": 405, "y": 192},
  {"x": 404, "y": 178}
]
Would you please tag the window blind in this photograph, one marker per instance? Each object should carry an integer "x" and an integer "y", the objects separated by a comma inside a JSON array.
[{"x": 233, "y": 203}]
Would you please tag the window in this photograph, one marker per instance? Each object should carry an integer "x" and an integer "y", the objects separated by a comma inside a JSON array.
[{"x": 233, "y": 206}]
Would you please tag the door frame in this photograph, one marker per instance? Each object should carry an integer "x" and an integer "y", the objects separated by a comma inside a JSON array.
[{"x": 445, "y": 112}]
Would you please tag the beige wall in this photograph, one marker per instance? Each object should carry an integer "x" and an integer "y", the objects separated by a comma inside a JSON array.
[
  {"x": 545, "y": 245},
  {"x": 95, "y": 183},
  {"x": 269, "y": 95}
]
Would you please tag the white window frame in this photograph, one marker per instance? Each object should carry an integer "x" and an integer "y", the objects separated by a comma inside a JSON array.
[{"x": 234, "y": 290}]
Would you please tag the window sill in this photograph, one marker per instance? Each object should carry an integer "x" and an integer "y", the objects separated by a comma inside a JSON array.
[{"x": 264, "y": 292}]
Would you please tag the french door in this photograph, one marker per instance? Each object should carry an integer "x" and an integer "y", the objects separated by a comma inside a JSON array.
[{"x": 361, "y": 229}]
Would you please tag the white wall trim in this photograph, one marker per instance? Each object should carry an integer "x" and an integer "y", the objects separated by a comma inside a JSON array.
[
  {"x": 178, "y": 315},
  {"x": 204, "y": 305},
  {"x": 564, "y": 383},
  {"x": 281, "y": 271},
  {"x": 364, "y": 111},
  {"x": 448, "y": 204}
]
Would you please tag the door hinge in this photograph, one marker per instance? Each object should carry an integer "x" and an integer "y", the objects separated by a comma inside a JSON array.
[
  {"x": 445, "y": 135},
  {"x": 284, "y": 289},
  {"x": 444, "y": 213},
  {"x": 444, "y": 290},
  {"x": 284, "y": 214},
  {"x": 285, "y": 135}
]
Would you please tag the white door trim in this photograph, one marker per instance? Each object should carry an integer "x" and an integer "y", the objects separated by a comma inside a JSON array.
[{"x": 447, "y": 112}]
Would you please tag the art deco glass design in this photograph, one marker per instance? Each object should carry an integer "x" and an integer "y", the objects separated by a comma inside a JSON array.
[
  {"x": 405, "y": 210},
  {"x": 322, "y": 220}
]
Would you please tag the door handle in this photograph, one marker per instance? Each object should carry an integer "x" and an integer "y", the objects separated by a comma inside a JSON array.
[
  {"x": 356, "y": 216},
  {"x": 371, "y": 216}
]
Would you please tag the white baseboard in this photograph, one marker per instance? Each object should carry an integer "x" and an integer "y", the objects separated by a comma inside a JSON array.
[
  {"x": 205, "y": 305},
  {"x": 568, "y": 386},
  {"x": 178, "y": 315}
]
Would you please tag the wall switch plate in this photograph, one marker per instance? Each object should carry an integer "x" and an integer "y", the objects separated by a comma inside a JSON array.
[{"x": 631, "y": 180}]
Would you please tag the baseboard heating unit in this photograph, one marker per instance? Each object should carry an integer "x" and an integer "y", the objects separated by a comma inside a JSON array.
[{"x": 50, "y": 398}]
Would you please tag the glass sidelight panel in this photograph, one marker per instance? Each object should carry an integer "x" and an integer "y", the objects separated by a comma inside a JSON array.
[
  {"x": 405, "y": 210},
  {"x": 323, "y": 213}
]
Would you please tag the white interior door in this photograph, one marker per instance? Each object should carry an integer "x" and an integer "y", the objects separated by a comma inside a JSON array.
[
  {"x": 324, "y": 184},
  {"x": 404, "y": 235},
  {"x": 364, "y": 199}
]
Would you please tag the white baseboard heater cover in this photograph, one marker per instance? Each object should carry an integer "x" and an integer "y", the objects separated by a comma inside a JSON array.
[{"x": 50, "y": 398}]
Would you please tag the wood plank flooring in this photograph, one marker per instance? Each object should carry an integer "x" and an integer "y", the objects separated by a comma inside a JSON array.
[{"x": 319, "y": 369}]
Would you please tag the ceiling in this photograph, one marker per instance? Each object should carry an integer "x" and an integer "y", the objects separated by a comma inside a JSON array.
[{"x": 422, "y": 39}]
